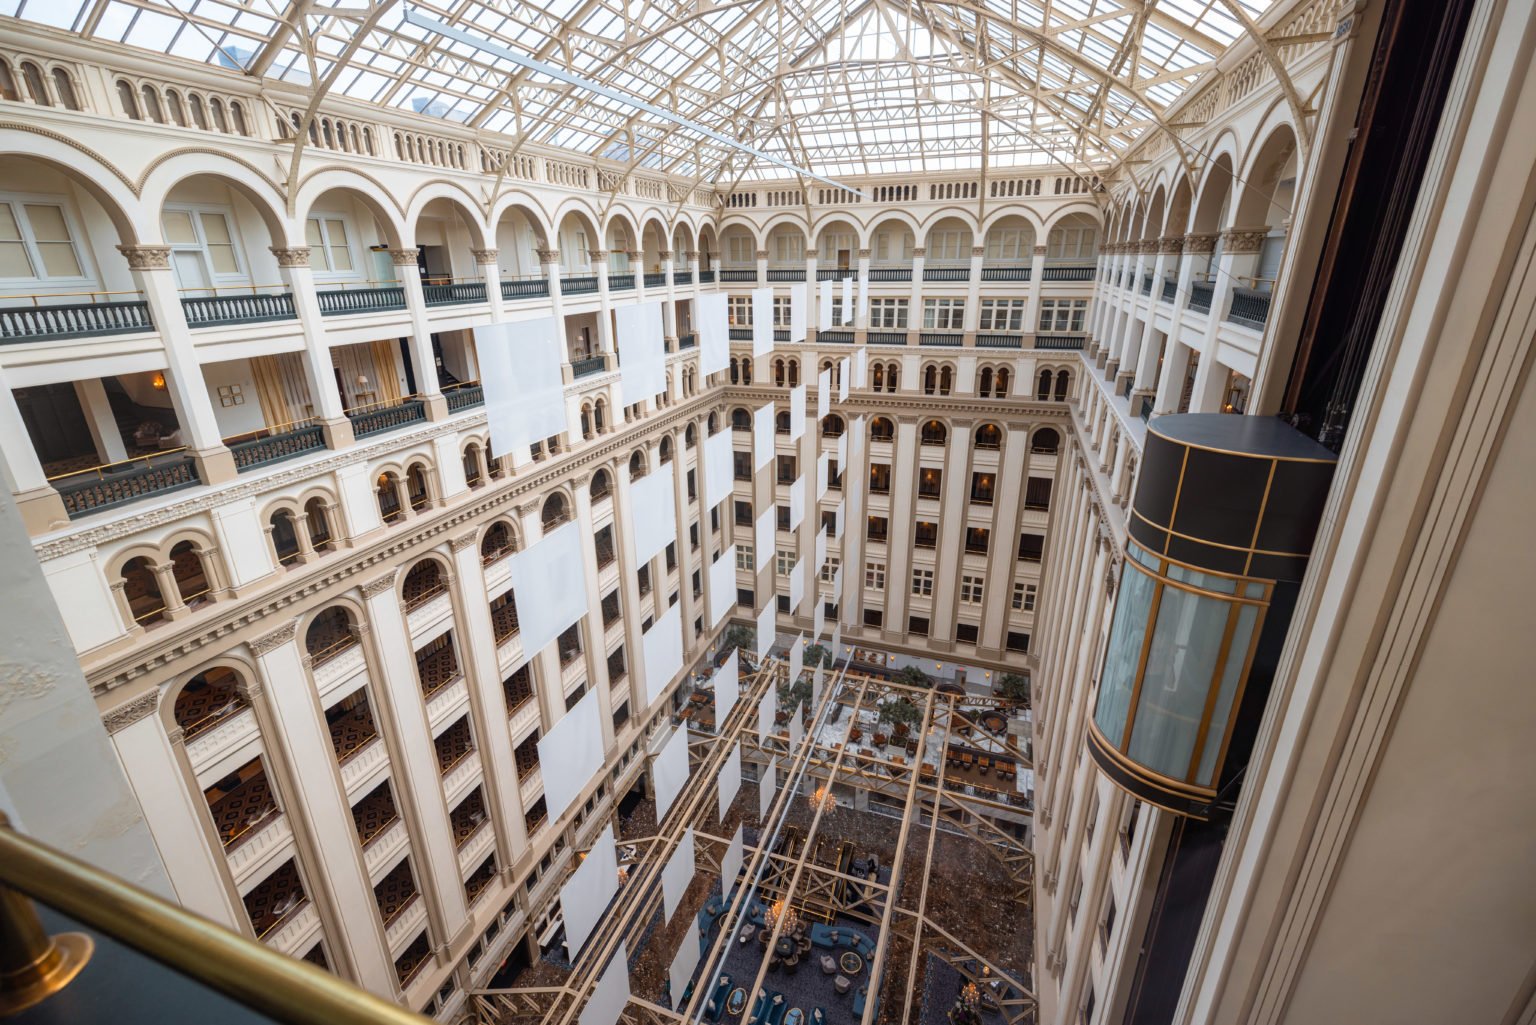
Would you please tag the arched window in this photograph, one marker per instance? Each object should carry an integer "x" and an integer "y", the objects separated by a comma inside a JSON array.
[
  {"x": 319, "y": 522},
  {"x": 735, "y": 371},
  {"x": 779, "y": 376},
  {"x": 1001, "y": 391},
  {"x": 151, "y": 104},
  {"x": 1043, "y": 392},
  {"x": 142, "y": 592},
  {"x": 746, "y": 371},
  {"x": 1063, "y": 381},
  {"x": 423, "y": 582},
  {"x": 831, "y": 426},
  {"x": 387, "y": 491},
  {"x": 496, "y": 543},
  {"x": 174, "y": 109},
  {"x": 666, "y": 451},
  {"x": 65, "y": 90},
  {"x": 417, "y": 487},
  {"x": 33, "y": 76},
  {"x": 586, "y": 422},
  {"x": 877, "y": 377},
  {"x": 781, "y": 423},
  {"x": 599, "y": 416},
  {"x": 946, "y": 380},
  {"x": 216, "y": 109},
  {"x": 237, "y": 115},
  {"x": 330, "y": 634},
  {"x": 934, "y": 433},
  {"x": 601, "y": 487},
  {"x": 714, "y": 424},
  {"x": 892, "y": 377},
  {"x": 8, "y": 89},
  {"x": 191, "y": 574},
  {"x": 637, "y": 464},
  {"x": 741, "y": 420},
  {"x": 881, "y": 429},
  {"x": 989, "y": 436},
  {"x": 285, "y": 537},
  {"x": 930, "y": 379},
  {"x": 474, "y": 476},
  {"x": 555, "y": 512},
  {"x": 129, "y": 101},
  {"x": 984, "y": 384},
  {"x": 1045, "y": 441},
  {"x": 199, "y": 112},
  {"x": 794, "y": 373},
  {"x": 690, "y": 436}
]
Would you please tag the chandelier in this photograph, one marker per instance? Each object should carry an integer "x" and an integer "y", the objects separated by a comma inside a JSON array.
[
  {"x": 782, "y": 916},
  {"x": 823, "y": 800}
]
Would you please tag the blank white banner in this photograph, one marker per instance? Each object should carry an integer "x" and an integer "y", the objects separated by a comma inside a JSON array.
[
  {"x": 542, "y": 576},
  {"x": 797, "y": 585},
  {"x": 669, "y": 771},
  {"x": 677, "y": 874},
  {"x": 762, "y": 436},
  {"x": 611, "y": 992},
  {"x": 663, "y": 644},
  {"x": 713, "y": 324},
  {"x": 860, "y": 368},
  {"x": 796, "y": 503},
  {"x": 642, "y": 351},
  {"x": 796, "y": 658},
  {"x": 823, "y": 474},
  {"x": 823, "y": 395},
  {"x": 847, "y": 301},
  {"x": 768, "y": 784},
  {"x": 767, "y": 709},
  {"x": 825, "y": 316},
  {"x": 684, "y": 962},
  {"x": 818, "y": 681},
  {"x": 586, "y": 894},
  {"x": 727, "y": 686},
  {"x": 821, "y": 549},
  {"x": 844, "y": 371},
  {"x": 729, "y": 780},
  {"x": 722, "y": 586},
  {"x": 766, "y": 620},
  {"x": 863, "y": 297},
  {"x": 837, "y": 584},
  {"x": 730, "y": 862},
  {"x": 762, "y": 321},
  {"x": 653, "y": 511},
  {"x": 764, "y": 537},
  {"x": 837, "y": 641},
  {"x": 837, "y": 520},
  {"x": 842, "y": 450},
  {"x": 799, "y": 311},
  {"x": 521, "y": 378},
  {"x": 719, "y": 467},
  {"x": 819, "y": 622},
  {"x": 797, "y": 412},
  {"x": 796, "y": 727},
  {"x": 570, "y": 754}
]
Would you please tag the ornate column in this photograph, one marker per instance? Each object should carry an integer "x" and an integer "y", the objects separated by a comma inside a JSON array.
[
  {"x": 1002, "y": 556},
  {"x": 423, "y": 361},
  {"x": 637, "y": 266},
  {"x": 949, "y": 560},
  {"x": 293, "y": 264},
  {"x": 811, "y": 285},
  {"x": 488, "y": 260},
  {"x": 170, "y": 592},
  {"x": 669, "y": 307},
  {"x": 1239, "y": 257},
  {"x": 599, "y": 259},
  {"x": 41, "y": 507},
  {"x": 151, "y": 267},
  {"x": 915, "y": 318},
  {"x": 594, "y": 634},
  {"x": 973, "y": 290},
  {"x": 861, "y": 315},
  {"x": 762, "y": 267},
  {"x": 1036, "y": 277}
]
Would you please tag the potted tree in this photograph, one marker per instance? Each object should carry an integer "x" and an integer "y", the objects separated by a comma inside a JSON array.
[
  {"x": 1014, "y": 687},
  {"x": 901, "y": 713},
  {"x": 913, "y": 676}
]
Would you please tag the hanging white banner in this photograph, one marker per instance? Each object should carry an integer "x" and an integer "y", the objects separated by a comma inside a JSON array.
[
  {"x": 713, "y": 320},
  {"x": 729, "y": 781},
  {"x": 521, "y": 378},
  {"x": 541, "y": 576},
  {"x": 796, "y": 503},
  {"x": 844, "y": 371},
  {"x": 823, "y": 474},
  {"x": 653, "y": 509},
  {"x": 677, "y": 874},
  {"x": 847, "y": 311},
  {"x": 826, "y": 318},
  {"x": 797, "y": 412},
  {"x": 663, "y": 651},
  {"x": 722, "y": 586},
  {"x": 669, "y": 771},
  {"x": 684, "y": 962},
  {"x": 762, "y": 321},
  {"x": 765, "y": 627},
  {"x": 762, "y": 436},
  {"x": 571, "y": 753},
  {"x": 611, "y": 992},
  {"x": 767, "y": 787},
  {"x": 586, "y": 894},
  {"x": 719, "y": 467},
  {"x": 823, "y": 395},
  {"x": 799, "y": 311},
  {"x": 860, "y": 368},
  {"x": 764, "y": 536}
]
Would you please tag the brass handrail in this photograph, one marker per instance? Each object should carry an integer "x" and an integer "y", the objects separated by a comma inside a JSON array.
[
  {"x": 147, "y": 460},
  {"x": 255, "y": 976}
]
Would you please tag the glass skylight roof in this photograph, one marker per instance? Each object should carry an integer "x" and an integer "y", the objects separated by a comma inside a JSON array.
[{"x": 842, "y": 87}]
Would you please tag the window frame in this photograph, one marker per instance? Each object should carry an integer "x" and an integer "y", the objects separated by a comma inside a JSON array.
[{"x": 18, "y": 201}]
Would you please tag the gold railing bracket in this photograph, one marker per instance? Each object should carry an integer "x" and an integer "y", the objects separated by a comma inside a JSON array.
[{"x": 33, "y": 965}]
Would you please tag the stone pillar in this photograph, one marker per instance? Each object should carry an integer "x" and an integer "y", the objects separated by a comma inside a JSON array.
[
  {"x": 973, "y": 290},
  {"x": 899, "y": 548},
  {"x": 98, "y": 417},
  {"x": 949, "y": 562},
  {"x": 293, "y": 265},
  {"x": 1002, "y": 564},
  {"x": 1036, "y": 276},
  {"x": 488, "y": 260},
  {"x": 40, "y": 505},
  {"x": 151, "y": 267},
  {"x": 669, "y": 308},
  {"x": 298, "y": 734},
  {"x": 851, "y": 545},
  {"x": 604, "y": 303},
  {"x": 637, "y": 267},
  {"x": 811, "y": 285},
  {"x": 762, "y": 267},
  {"x": 861, "y": 287},
  {"x": 423, "y": 362},
  {"x": 915, "y": 296}
]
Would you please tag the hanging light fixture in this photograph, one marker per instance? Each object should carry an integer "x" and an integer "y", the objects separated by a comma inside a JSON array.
[{"x": 823, "y": 800}]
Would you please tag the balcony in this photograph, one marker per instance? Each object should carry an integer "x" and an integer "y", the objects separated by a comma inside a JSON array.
[
  {"x": 1067, "y": 274},
  {"x": 706, "y": 277},
  {"x": 620, "y": 282},
  {"x": 252, "y": 308},
  {"x": 581, "y": 284},
  {"x": 833, "y": 273},
  {"x": 74, "y": 320},
  {"x": 951, "y": 339},
  {"x": 1200, "y": 293},
  {"x": 1060, "y": 342},
  {"x": 1170, "y": 290},
  {"x": 531, "y": 287},
  {"x": 395, "y": 893},
  {"x": 374, "y": 814},
  {"x": 437, "y": 665},
  {"x": 890, "y": 273},
  {"x": 467, "y": 819},
  {"x": 786, "y": 273},
  {"x": 504, "y": 618},
  {"x": 115, "y": 484},
  {"x": 887, "y": 338},
  {"x": 241, "y": 805},
  {"x": 947, "y": 273},
  {"x": 737, "y": 274},
  {"x": 275, "y": 900},
  {"x": 1250, "y": 307},
  {"x": 453, "y": 745},
  {"x": 687, "y": 341},
  {"x": 999, "y": 341},
  {"x": 453, "y": 293},
  {"x": 655, "y": 281},
  {"x": 740, "y": 334},
  {"x": 587, "y": 367},
  {"x": 336, "y": 302},
  {"x": 274, "y": 445},
  {"x": 835, "y": 337},
  {"x": 386, "y": 418},
  {"x": 682, "y": 277},
  {"x": 1006, "y": 273},
  {"x": 351, "y": 730},
  {"x": 465, "y": 396},
  {"x": 1146, "y": 284}
]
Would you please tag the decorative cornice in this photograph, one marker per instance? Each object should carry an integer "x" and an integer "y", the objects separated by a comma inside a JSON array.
[
  {"x": 1244, "y": 240},
  {"x": 458, "y": 544},
  {"x": 404, "y": 257},
  {"x": 291, "y": 256},
  {"x": 374, "y": 588},
  {"x": 1041, "y": 250},
  {"x": 1170, "y": 245},
  {"x": 919, "y": 252},
  {"x": 978, "y": 251},
  {"x": 666, "y": 254},
  {"x": 276, "y": 639},
  {"x": 691, "y": 255},
  {"x": 864, "y": 254},
  {"x": 484, "y": 257},
  {"x": 126, "y": 715},
  {"x": 547, "y": 256},
  {"x": 1200, "y": 242},
  {"x": 598, "y": 254},
  {"x": 762, "y": 254},
  {"x": 147, "y": 257},
  {"x": 810, "y": 254}
]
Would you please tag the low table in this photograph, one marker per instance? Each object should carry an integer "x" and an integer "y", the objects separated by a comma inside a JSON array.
[{"x": 850, "y": 962}]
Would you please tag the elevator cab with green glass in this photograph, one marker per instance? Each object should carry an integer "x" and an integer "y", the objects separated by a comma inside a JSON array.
[{"x": 1220, "y": 531}]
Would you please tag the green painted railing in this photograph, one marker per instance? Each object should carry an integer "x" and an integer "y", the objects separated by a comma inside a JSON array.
[
  {"x": 890, "y": 273},
  {"x": 620, "y": 282},
  {"x": 73, "y": 320},
  {"x": 1071, "y": 342},
  {"x": 454, "y": 293},
  {"x": 525, "y": 288},
  {"x": 90, "y": 492},
  {"x": 587, "y": 367},
  {"x": 579, "y": 285},
  {"x": 946, "y": 273},
  {"x": 213, "y": 310},
  {"x": 464, "y": 397},
  {"x": 341, "y": 301},
  {"x": 1067, "y": 274},
  {"x": 376, "y": 421},
  {"x": 1006, "y": 273},
  {"x": 274, "y": 448},
  {"x": 999, "y": 341}
]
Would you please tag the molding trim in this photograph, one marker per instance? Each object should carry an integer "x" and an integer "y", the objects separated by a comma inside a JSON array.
[{"x": 126, "y": 715}]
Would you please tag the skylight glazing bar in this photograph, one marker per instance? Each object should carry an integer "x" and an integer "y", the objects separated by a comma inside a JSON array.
[{"x": 559, "y": 74}]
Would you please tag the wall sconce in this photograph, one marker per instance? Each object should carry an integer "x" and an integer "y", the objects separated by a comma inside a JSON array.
[{"x": 158, "y": 381}]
